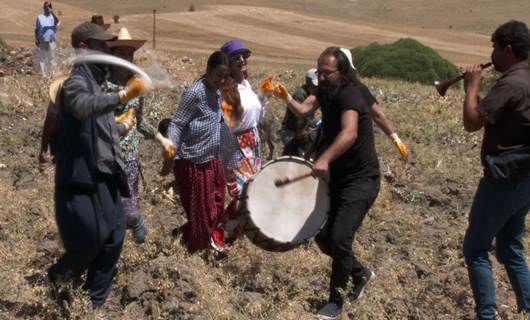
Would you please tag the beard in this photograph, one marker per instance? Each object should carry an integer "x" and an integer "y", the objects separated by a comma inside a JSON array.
[{"x": 327, "y": 91}]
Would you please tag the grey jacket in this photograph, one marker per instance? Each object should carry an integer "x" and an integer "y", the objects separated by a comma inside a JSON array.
[{"x": 87, "y": 137}]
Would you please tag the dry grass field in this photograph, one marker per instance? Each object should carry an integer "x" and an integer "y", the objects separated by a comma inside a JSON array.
[
  {"x": 285, "y": 31},
  {"x": 411, "y": 238}
]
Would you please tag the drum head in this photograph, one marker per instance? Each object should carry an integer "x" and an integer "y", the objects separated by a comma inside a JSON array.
[{"x": 291, "y": 213}]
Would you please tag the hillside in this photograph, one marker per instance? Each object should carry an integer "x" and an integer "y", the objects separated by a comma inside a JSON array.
[
  {"x": 411, "y": 238},
  {"x": 295, "y": 33}
]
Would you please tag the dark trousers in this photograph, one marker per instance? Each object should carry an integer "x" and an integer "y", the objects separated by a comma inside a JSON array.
[
  {"x": 92, "y": 228},
  {"x": 498, "y": 212},
  {"x": 351, "y": 198}
]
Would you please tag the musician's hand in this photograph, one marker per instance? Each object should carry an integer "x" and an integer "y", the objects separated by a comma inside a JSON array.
[
  {"x": 472, "y": 77},
  {"x": 401, "y": 147},
  {"x": 321, "y": 168}
]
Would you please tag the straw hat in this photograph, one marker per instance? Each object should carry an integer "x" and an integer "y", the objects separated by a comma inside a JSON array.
[
  {"x": 125, "y": 40},
  {"x": 55, "y": 88}
]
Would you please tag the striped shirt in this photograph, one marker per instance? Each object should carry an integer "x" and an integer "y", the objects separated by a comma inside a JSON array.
[{"x": 199, "y": 131}]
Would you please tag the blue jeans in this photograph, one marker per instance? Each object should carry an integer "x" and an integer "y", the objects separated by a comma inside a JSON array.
[{"x": 499, "y": 212}]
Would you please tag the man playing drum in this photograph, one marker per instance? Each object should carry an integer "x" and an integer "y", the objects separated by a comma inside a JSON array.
[{"x": 346, "y": 156}]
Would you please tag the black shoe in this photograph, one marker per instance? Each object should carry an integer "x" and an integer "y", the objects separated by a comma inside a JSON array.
[
  {"x": 330, "y": 311},
  {"x": 360, "y": 283}
]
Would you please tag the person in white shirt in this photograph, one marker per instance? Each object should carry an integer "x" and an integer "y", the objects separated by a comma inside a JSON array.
[
  {"x": 243, "y": 118},
  {"x": 45, "y": 36}
]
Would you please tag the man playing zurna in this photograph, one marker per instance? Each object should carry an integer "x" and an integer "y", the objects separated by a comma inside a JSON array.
[{"x": 502, "y": 199}]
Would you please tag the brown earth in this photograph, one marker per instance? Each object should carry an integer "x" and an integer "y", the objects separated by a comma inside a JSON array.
[
  {"x": 411, "y": 238},
  {"x": 295, "y": 32}
]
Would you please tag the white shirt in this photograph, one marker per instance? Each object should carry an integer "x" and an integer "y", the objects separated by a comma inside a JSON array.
[{"x": 252, "y": 108}]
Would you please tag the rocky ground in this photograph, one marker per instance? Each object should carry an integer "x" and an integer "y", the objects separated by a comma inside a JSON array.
[
  {"x": 411, "y": 238},
  {"x": 15, "y": 61}
]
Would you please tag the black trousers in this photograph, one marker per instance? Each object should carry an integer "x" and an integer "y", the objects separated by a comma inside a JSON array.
[
  {"x": 351, "y": 198},
  {"x": 92, "y": 228}
]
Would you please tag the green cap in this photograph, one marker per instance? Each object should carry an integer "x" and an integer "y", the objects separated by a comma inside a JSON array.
[{"x": 88, "y": 30}]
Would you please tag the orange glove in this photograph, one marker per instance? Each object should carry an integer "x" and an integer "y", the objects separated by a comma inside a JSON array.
[
  {"x": 266, "y": 86},
  {"x": 402, "y": 148},
  {"x": 127, "y": 118},
  {"x": 280, "y": 91},
  {"x": 135, "y": 88},
  {"x": 168, "y": 149},
  {"x": 227, "y": 111}
]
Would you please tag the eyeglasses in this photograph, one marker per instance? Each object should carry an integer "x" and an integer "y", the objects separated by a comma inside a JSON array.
[{"x": 325, "y": 73}]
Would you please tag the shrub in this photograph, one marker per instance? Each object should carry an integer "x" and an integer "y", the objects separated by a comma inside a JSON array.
[
  {"x": 192, "y": 8},
  {"x": 3, "y": 44},
  {"x": 406, "y": 59},
  {"x": 116, "y": 18}
]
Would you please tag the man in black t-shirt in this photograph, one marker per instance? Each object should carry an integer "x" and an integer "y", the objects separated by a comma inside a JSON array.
[{"x": 347, "y": 157}]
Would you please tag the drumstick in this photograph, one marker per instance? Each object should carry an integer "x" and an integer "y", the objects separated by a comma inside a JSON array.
[{"x": 280, "y": 182}]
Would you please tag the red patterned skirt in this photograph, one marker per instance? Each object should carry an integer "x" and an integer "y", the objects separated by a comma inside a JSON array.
[{"x": 202, "y": 193}]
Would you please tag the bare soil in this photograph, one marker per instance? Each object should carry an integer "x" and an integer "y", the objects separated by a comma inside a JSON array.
[
  {"x": 280, "y": 31},
  {"x": 411, "y": 237}
]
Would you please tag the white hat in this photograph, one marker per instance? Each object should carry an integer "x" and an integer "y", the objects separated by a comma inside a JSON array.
[
  {"x": 125, "y": 40},
  {"x": 348, "y": 55},
  {"x": 312, "y": 74}
]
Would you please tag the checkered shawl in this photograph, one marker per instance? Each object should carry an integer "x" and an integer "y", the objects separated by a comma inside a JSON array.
[{"x": 199, "y": 131}]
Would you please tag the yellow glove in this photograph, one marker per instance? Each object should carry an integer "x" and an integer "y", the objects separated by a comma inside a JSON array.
[
  {"x": 168, "y": 149},
  {"x": 280, "y": 91},
  {"x": 402, "y": 148},
  {"x": 135, "y": 88},
  {"x": 266, "y": 86},
  {"x": 124, "y": 116},
  {"x": 128, "y": 119}
]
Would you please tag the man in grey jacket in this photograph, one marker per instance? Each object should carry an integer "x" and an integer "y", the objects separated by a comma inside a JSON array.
[{"x": 89, "y": 179}]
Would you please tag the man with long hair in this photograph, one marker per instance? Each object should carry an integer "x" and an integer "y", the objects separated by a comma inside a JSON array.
[{"x": 347, "y": 157}]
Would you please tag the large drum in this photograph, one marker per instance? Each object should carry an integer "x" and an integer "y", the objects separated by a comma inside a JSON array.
[{"x": 278, "y": 218}]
